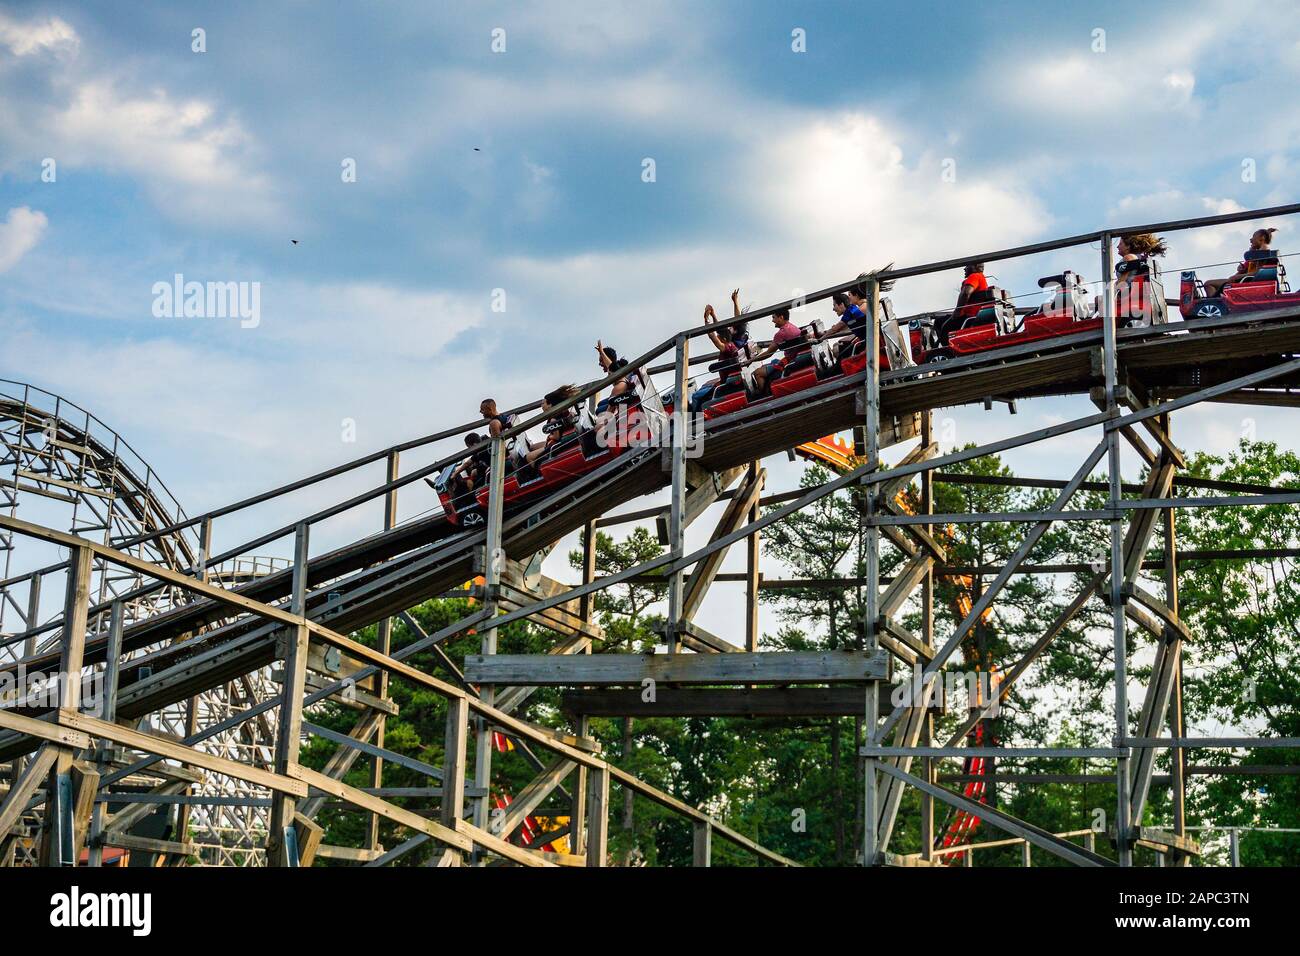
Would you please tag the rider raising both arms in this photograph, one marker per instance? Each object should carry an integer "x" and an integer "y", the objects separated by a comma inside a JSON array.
[
  {"x": 1260, "y": 241},
  {"x": 725, "y": 341}
]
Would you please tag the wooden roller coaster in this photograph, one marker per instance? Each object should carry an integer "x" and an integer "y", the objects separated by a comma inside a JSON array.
[{"x": 74, "y": 750}]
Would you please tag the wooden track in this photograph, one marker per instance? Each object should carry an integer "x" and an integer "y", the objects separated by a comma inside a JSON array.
[{"x": 383, "y": 574}]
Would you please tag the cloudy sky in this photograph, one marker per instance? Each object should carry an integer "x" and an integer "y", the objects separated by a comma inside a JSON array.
[{"x": 501, "y": 148}]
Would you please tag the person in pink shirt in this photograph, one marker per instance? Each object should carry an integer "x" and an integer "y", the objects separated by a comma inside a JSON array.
[{"x": 786, "y": 336}]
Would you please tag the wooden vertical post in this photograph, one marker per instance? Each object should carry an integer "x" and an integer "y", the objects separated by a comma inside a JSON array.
[
  {"x": 493, "y": 563},
  {"x": 1110, "y": 361},
  {"x": 871, "y": 533},
  {"x": 676, "y": 520},
  {"x": 929, "y": 765},
  {"x": 112, "y": 670},
  {"x": 29, "y": 646},
  {"x": 453, "y": 765},
  {"x": 281, "y": 846},
  {"x": 578, "y": 798},
  {"x": 752, "y": 575},
  {"x": 1177, "y": 755},
  {"x": 702, "y": 846},
  {"x": 384, "y": 644},
  {"x": 59, "y": 841},
  {"x": 582, "y": 724},
  {"x": 597, "y": 816},
  {"x": 587, "y": 603},
  {"x": 192, "y": 706}
]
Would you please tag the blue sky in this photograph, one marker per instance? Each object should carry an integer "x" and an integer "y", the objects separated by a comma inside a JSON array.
[{"x": 775, "y": 171}]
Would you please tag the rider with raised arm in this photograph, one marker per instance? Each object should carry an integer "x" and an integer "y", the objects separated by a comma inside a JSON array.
[{"x": 728, "y": 351}]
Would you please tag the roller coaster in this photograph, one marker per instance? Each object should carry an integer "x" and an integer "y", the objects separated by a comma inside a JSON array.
[{"x": 154, "y": 619}]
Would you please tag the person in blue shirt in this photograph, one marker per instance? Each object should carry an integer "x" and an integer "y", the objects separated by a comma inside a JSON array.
[{"x": 852, "y": 319}]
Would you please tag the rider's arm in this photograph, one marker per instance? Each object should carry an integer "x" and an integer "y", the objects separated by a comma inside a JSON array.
[{"x": 840, "y": 326}]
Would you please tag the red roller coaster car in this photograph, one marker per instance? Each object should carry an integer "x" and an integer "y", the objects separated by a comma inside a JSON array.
[
  {"x": 1265, "y": 287},
  {"x": 581, "y": 446},
  {"x": 577, "y": 445}
]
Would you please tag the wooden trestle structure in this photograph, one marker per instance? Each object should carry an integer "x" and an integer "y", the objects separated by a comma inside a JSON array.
[{"x": 71, "y": 760}]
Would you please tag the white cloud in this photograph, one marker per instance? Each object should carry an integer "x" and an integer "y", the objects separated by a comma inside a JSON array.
[
  {"x": 367, "y": 318},
  {"x": 1196, "y": 248},
  {"x": 196, "y": 161},
  {"x": 193, "y": 160},
  {"x": 19, "y": 234},
  {"x": 835, "y": 195},
  {"x": 25, "y": 39}
]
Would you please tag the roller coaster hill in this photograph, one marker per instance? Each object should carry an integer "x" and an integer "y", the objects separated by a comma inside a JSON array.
[{"x": 204, "y": 664}]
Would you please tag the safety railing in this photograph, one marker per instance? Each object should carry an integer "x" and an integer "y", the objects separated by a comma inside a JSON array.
[
  {"x": 71, "y": 729},
  {"x": 678, "y": 346}
]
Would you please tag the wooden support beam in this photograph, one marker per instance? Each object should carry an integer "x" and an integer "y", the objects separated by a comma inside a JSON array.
[
  {"x": 581, "y": 792},
  {"x": 717, "y": 702},
  {"x": 58, "y": 844},
  {"x": 139, "y": 844},
  {"x": 797, "y": 667},
  {"x": 752, "y": 576},
  {"x": 696, "y": 638},
  {"x": 364, "y": 801},
  {"x": 343, "y": 759},
  {"x": 905, "y": 582},
  {"x": 454, "y": 762},
  {"x": 25, "y": 787},
  {"x": 557, "y": 619},
  {"x": 735, "y": 515},
  {"x": 296, "y": 642},
  {"x": 1156, "y": 838},
  {"x": 919, "y": 648},
  {"x": 702, "y": 845},
  {"x": 597, "y": 816},
  {"x": 530, "y": 798},
  {"x": 130, "y": 815},
  {"x": 310, "y": 833}
]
